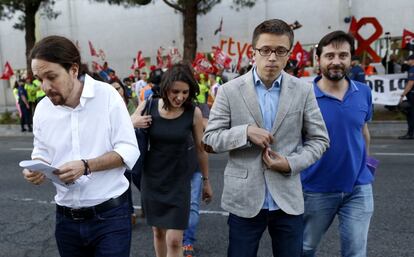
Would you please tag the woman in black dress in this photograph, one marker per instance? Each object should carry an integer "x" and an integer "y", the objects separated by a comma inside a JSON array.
[{"x": 166, "y": 176}]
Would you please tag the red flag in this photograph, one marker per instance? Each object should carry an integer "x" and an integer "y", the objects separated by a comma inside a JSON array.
[
  {"x": 160, "y": 61},
  {"x": 8, "y": 72},
  {"x": 353, "y": 26},
  {"x": 96, "y": 66},
  {"x": 407, "y": 39},
  {"x": 202, "y": 65},
  {"x": 298, "y": 54},
  {"x": 92, "y": 49},
  {"x": 221, "y": 60},
  {"x": 139, "y": 62}
]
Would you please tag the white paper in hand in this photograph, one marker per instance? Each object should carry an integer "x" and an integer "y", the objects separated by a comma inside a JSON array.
[{"x": 43, "y": 167}]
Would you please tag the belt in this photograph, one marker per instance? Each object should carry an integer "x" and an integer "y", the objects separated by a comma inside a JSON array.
[{"x": 86, "y": 213}]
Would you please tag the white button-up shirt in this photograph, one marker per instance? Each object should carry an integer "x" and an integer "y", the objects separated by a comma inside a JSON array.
[{"x": 98, "y": 125}]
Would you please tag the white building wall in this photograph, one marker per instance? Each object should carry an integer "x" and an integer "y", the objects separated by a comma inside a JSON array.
[{"x": 121, "y": 32}]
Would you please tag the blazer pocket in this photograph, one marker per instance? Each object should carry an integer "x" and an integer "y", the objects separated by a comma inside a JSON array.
[{"x": 236, "y": 173}]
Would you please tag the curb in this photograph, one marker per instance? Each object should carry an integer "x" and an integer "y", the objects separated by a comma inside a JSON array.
[
  {"x": 377, "y": 129},
  {"x": 13, "y": 130},
  {"x": 387, "y": 129}
]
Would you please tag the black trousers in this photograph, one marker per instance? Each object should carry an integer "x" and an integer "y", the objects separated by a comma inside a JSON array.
[{"x": 410, "y": 114}]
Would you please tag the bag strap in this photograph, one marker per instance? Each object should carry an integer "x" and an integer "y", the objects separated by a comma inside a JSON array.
[{"x": 148, "y": 105}]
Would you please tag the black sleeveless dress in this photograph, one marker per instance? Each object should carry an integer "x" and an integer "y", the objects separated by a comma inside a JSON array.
[{"x": 166, "y": 187}]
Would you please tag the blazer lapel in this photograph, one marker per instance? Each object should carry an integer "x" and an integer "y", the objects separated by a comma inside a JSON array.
[
  {"x": 249, "y": 95},
  {"x": 285, "y": 100}
]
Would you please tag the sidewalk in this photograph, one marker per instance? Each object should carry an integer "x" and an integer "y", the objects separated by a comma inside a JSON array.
[{"x": 378, "y": 129}]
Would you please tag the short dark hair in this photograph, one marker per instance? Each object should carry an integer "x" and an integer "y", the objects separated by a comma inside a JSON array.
[
  {"x": 56, "y": 49},
  {"x": 336, "y": 37},
  {"x": 179, "y": 72},
  {"x": 275, "y": 27}
]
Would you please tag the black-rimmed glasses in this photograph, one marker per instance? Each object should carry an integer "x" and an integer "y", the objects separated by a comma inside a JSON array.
[{"x": 267, "y": 51}]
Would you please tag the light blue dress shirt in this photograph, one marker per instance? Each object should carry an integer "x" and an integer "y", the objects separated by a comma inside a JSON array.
[{"x": 268, "y": 101}]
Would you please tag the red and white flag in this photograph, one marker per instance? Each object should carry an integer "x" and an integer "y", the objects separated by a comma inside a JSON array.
[
  {"x": 92, "y": 49},
  {"x": 407, "y": 39},
  {"x": 221, "y": 60},
  {"x": 8, "y": 72},
  {"x": 298, "y": 54},
  {"x": 173, "y": 56},
  {"x": 160, "y": 61},
  {"x": 139, "y": 62},
  {"x": 202, "y": 65}
]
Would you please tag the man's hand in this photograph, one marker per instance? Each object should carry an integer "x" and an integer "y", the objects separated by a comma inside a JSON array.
[
  {"x": 70, "y": 171},
  {"x": 401, "y": 99},
  {"x": 275, "y": 161},
  {"x": 34, "y": 177},
  {"x": 207, "y": 192},
  {"x": 259, "y": 136}
]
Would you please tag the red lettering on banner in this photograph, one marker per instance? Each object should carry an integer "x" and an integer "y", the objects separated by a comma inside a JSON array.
[
  {"x": 222, "y": 43},
  {"x": 242, "y": 50},
  {"x": 365, "y": 44},
  {"x": 229, "y": 48}
]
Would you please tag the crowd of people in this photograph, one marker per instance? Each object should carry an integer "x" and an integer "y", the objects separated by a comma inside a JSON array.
[{"x": 293, "y": 165}]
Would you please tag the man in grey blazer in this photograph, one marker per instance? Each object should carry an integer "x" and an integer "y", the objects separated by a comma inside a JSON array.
[{"x": 271, "y": 125}]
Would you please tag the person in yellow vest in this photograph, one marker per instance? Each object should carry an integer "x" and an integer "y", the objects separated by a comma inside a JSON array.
[
  {"x": 39, "y": 92},
  {"x": 204, "y": 89},
  {"x": 31, "y": 90},
  {"x": 16, "y": 97}
]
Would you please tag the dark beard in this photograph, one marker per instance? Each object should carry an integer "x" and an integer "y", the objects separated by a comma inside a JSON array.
[{"x": 335, "y": 76}]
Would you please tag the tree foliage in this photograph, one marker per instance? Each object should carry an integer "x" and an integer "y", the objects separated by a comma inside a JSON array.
[
  {"x": 8, "y": 8},
  {"x": 27, "y": 9}
]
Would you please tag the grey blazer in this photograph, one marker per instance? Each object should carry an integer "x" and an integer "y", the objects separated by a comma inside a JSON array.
[{"x": 235, "y": 107}]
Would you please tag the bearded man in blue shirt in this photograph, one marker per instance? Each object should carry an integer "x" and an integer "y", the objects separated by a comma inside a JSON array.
[{"x": 339, "y": 184}]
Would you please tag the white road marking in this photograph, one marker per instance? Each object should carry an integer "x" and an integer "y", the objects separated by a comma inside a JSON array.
[
  {"x": 22, "y": 149},
  {"x": 394, "y": 154}
]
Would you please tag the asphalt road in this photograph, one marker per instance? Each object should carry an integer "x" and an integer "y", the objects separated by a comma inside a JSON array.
[{"x": 27, "y": 212}]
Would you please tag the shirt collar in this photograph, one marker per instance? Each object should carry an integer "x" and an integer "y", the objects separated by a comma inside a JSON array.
[
  {"x": 87, "y": 91},
  {"x": 319, "y": 93},
  {"x": 257, "y": 81}
]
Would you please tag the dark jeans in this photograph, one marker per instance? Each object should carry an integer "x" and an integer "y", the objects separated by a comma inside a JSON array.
[
  {"x": 410, "y": 114},
  {"x": 26, "y": 118},
  {"x": 285, "y": 230},
  {"x": 108, "y": 234}
]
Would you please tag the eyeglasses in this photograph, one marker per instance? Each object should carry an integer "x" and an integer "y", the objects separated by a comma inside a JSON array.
[{"x": 267, "y": 51}]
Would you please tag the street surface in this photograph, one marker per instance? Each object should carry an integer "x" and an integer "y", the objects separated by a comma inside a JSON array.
[{"x": 27, "y": 212}]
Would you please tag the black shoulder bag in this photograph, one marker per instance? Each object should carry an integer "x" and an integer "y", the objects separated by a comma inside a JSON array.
[{"x": 142, "y": 140}]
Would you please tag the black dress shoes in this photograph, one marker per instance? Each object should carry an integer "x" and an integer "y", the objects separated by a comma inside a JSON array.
[{"x": 406, "y": 137}]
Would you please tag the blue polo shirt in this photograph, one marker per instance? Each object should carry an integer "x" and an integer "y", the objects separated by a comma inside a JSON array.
[
  {"x": 411, "y": 73},
  {"x": 343, "y": 165}
]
